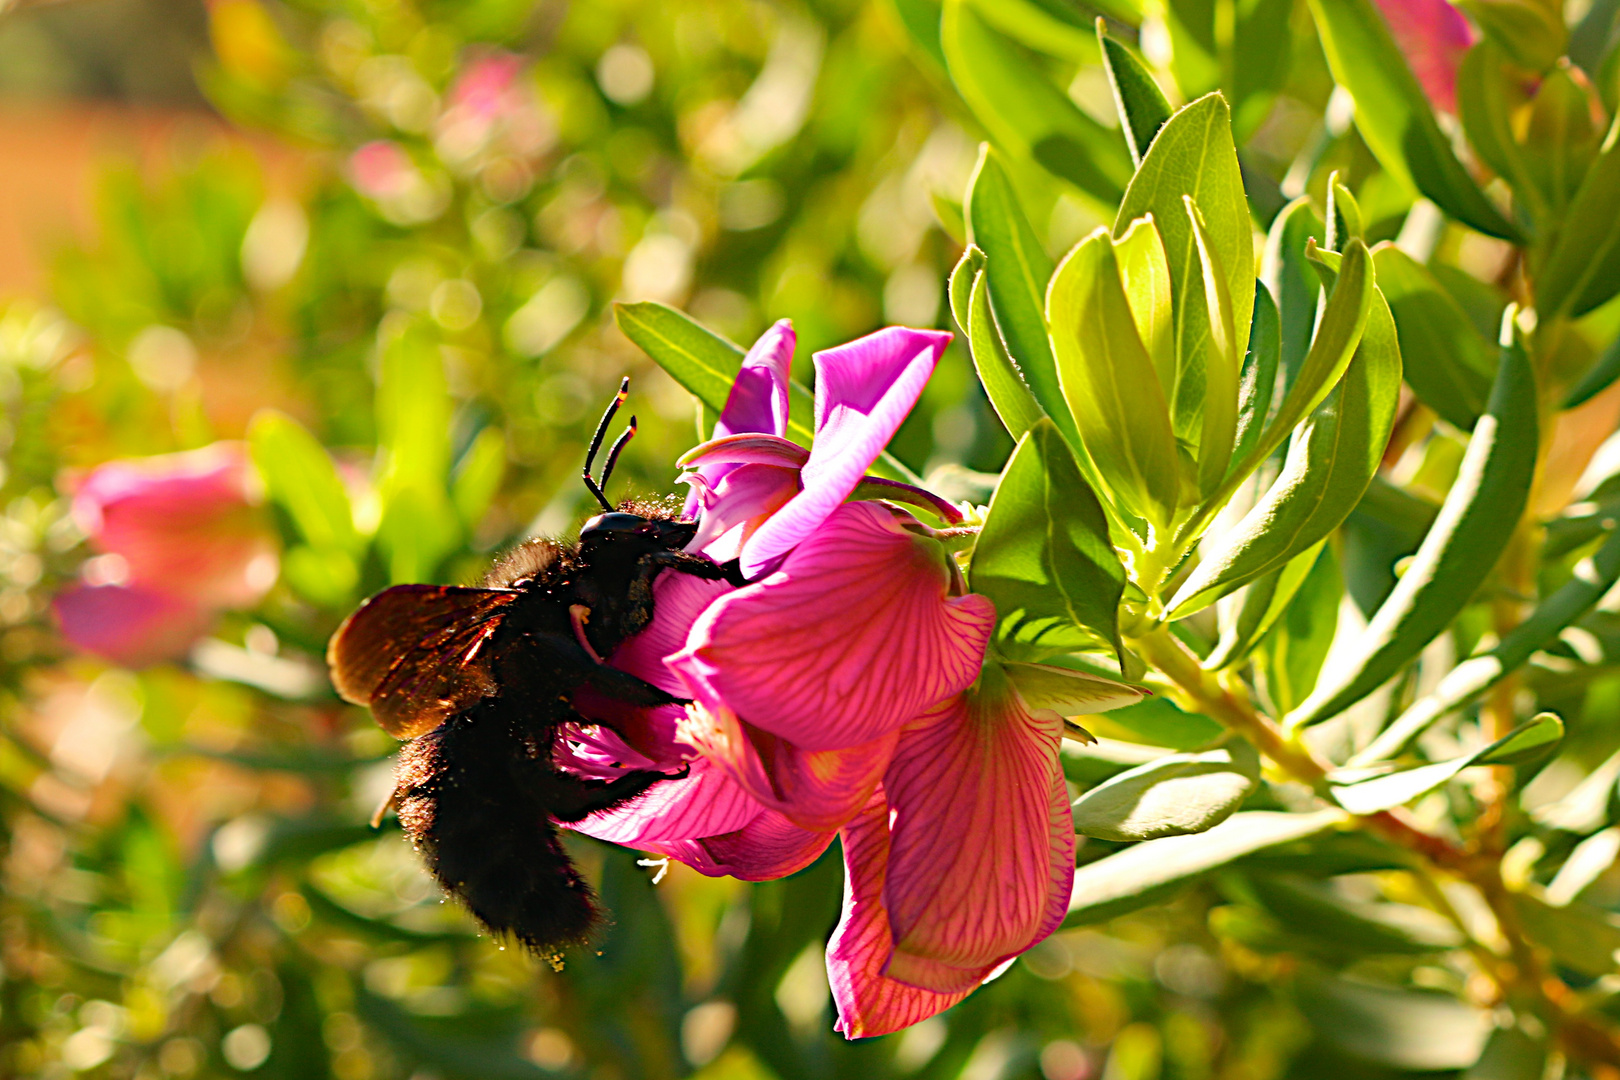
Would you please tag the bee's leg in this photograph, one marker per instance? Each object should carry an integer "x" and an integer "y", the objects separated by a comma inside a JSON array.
[
  {"x": 574, "y": 799},
  {"x": 625, "y": 687},
  {"x": 686, "y": 563}
]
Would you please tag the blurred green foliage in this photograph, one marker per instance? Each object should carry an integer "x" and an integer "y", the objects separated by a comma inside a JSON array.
[{"x": 409, "y": 320}]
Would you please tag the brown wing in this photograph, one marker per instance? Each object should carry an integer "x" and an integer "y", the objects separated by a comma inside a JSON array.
[{"x": 416, "y": 654}]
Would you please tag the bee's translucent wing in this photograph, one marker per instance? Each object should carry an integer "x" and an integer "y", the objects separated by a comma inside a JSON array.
[{"x": 416, "y": 654}]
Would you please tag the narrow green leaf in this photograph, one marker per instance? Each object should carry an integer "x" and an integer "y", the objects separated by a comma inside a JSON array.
[
  {"x": 1257, "y": 383},
  {"x": 1025, "y": 112},
  {"x": 1052, "y": 28},
  {"x": 1003, "y": 383},
  {"x": 1248, "y": 613},
  {"x": 300, "y": 477},
  {"x": 959, "y": 287},
  {"x": 1338, "y": 335},
  {"x": 1109, "y": 382},
  {"x": 1174, "y": 795},
  {"x": 1146, "y": 276},
  {"x": 1328, "y": 469},
  {"x": 1510, "y": 1054},
  {"x": 1068, "y": 692},
  {"x": 1594, "y": 576},
  {"x": 1527, "y": 742},
  {"x": 1221, "y": 360},
  {"x": 1282, "y": 269},
  {"x": 1044, "y": 558},
  {"x": 1409, "y": 1030},
  {"x": 1291, "y": 657},
  {"x": 1152, "y": 871},
  {"x": 1460, "y": 549},
  {"x": 1193, "y": 155},
  {"x": 1393, "y": 114},
  {"x": 1530, "y": 32},
  {"x": 1583, "y": 269},
  {"x": 1018, "y": 271},
  {"x": 1598, "y": 378},
  {"x": 1487, "y": 98},
  {"x": 1343, "y": 216},
  {"x": 1448, "y": 365},
  {"x": 1561, "y": 138},
  {"x": 1143, "y": 108},
  {"x": 413, "y": 412},
  {"x": 1580, "y": 937},
  {"x": 1158, "y": 722}
]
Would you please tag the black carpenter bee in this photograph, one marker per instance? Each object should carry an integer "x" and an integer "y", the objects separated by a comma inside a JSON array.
[{"x": 480, "y": 679}]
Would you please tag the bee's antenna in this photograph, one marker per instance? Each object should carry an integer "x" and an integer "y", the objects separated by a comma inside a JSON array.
[
  {"x": 616, "y": 449},
  {"x": 596, "y": 444}
]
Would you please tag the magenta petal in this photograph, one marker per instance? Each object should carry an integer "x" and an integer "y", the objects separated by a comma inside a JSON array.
[
  {"x": 869, "y": 1002},
  {"x": 746, "y": 449},
  {"x": 132, "y": 625},
  {"x": 864, "y": 390},
  {"x": 678, "y": 601},
  {"x": 852, "y": 637},
  {"x": 730, "y": 509},
  {"x": 703, "y": 803},
  {"x": 978, "y": 846},
  {"x": 818, "y": 790},
  {"x": 766, "y": 848},
  {"x": 1433, "y": 35},
  {"x": 759, "y": 397}
]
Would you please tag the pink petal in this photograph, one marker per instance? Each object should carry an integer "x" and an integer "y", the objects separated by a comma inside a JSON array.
[
  {"x": 852, "y": 637},
  {"x": 1434, "y": 36},
  {"x": 678, "y": 601},
  {"x": 818, "y": 790},
  {"x": 747, "y": 449},
  {"x": 132, "y": 626},
  {"x": 864, "y": 391},
  {"x": 869, "y": 1002},
  {"x": 703, "y": 803},
  {"x": 730, "y": 509},
  {"x": 979, "y": 847},
  {"x": 766, "y": 848},
  {"x": 759, "y": 396}
]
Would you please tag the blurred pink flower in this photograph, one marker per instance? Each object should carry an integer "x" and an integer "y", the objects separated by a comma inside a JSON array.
[
  {"x": 178, "y": 539},
  {"x": 492, "y": 105},
  {"x": 844, "y": 691},
  {"x": 382, "y": 170},
  {"x": 1433, "y": 35}
]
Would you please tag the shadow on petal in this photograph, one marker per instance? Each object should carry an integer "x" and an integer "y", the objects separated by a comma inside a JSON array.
[{"x": 767, "y": 848}]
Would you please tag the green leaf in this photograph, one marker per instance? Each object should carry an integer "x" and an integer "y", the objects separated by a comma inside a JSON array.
[
  {"x": 1291, "y": 657},
  {"x": 1025, "y": 112},
  {"x": 1174, "y": 795},
  {"x": 1461, "y": 548},
  {"x": 1561, "y": 138},
  {"x": 1528, "y": 31},
  {"x": 1258, "y": 380},
  {"x": 1143, "y": 108},
  {"x": 1018, "y": 271},
  {"x": 1580, "y": 937},
  {"x": 1328, "y": 469},
  {"x": 1003, "y": 383},
  {"x": 1316, "y": 910},
  {"x": 1448, "y": 365},
  {"x": 1044, "y": 558},
  {"x": 1068, "y": 692},
  {"x": 1343, "y": 216},
  {"x": 1510, "y": 1054},
  {"x": 1487, "y": 98},
  {"x": 418, "y": 529},
  {"x": 1338, "y": 336},
  {"x": 1283, "y": 271},
  {"x": 413, "y": 413},
  {"x": 1593, "y": 577},
  {"x": 1598, "y": 378},
  {"x": 1583, "y": 268},
  {"x": 959, "y": 287},
  {"x": 1529, "y": 741},
  {"x": 1109, "y": 382},
  {"x": 1222, "y": 362},
  {"x": 1154, "y": 870},
  {"x": 1146, "y": 276},
  {"x": 1251, "y": 611},
  {"x": 1393, "y": 114},
  {"x": 326, "y": 575},
  {"x": 299, "y": 477},
  {"x": 1417, "y": 1031},
  {"x": 1158, "y": 722},
  {"x": 1052, "y": 28},
  {"x": 478, "y": 476},
  {"x": 1193, "y": 155}
]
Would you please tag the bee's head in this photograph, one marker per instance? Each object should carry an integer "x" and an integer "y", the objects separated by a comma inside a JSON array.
[{"x": 617, "y": 525}]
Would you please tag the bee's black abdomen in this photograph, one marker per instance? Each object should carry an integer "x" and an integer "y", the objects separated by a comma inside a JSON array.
[{"x": 472, "y": 796}]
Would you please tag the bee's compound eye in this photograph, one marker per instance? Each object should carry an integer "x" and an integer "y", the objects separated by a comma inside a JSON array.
[{"x": 616, "y": 522}]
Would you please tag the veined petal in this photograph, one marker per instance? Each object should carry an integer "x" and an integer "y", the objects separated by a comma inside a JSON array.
[
  {"x": 703, "y": 803},
  {"x": 768, "y": 847},
  {"x": 869, "y": 1002},
  {"x": 851, "y": 638},
  {"x": 864, "y": 390},
  {"x": 975, "y": 835},
  {"x": 759, "y": 397},
  {"x": 817, "y": 790},
  {"x": 748, "y": 448}
]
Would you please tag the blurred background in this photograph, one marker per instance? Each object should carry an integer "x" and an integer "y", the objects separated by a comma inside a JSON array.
[{"x": 401, "y": 224}]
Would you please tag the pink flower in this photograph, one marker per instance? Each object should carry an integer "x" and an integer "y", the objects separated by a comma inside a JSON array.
[
  {"x": 491, "y": 105},
  {"x": 382, "y": 170},
  {"x": 845, "y": 691},
  {"x": 1433, "y": 35},
  {"x": 178, "y": 540}
]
